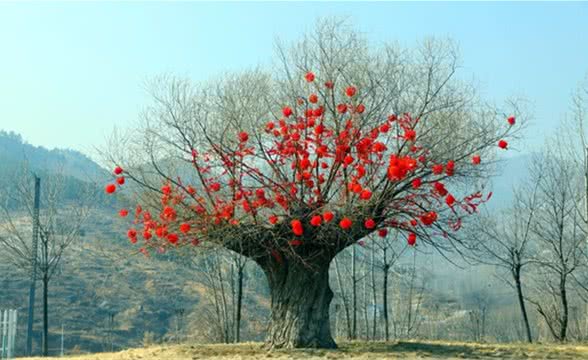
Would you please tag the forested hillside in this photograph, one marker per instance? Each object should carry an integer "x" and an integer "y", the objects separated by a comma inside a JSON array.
[{"x": 107, "y": 296}]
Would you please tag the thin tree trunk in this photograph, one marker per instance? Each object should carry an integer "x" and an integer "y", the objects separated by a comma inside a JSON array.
[
  {"x": 344, "y": 297},
  {"x": 519, "y": 288},
  {"x": 365, "y": 305},
  {"x": 374, "y": 295},
  {"x": 565, "y": 308},
  {"x": 239, "y": 302},
  {"x": 385, "y": 300},
  {"x": 45, "y": 315},
  {"x": 353, "y": 295},
  {"x": 224, "y": 303}
]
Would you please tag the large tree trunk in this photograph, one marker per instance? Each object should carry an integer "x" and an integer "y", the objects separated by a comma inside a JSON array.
[{"x": 300, "y": 299}]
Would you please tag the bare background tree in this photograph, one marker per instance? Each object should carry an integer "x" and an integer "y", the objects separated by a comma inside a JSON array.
[{"x": 60, "y": 224}]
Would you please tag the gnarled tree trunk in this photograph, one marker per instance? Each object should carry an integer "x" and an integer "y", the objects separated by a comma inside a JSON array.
[{"x": 300, "y": 300}]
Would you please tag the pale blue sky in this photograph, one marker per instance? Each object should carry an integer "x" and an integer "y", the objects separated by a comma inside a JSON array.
[{"x": 71, "y": 72}]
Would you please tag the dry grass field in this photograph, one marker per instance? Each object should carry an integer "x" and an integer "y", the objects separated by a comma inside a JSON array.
[{"x": 352, "y": 350}]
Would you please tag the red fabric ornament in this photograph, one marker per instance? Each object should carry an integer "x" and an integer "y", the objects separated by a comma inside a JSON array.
[
  {"x": 450, "y": 200},
  {"x": 370, "y": 224},
  {"x": 173, "y": 238},
  {"x": 365, "y": 195},
  {"x": 185, "y": 228},
  {"x": 132, "y": 233},
  {"x": 409, "y": 135},
  {"x": 273, "y": 219},
  {"x": 450, "y": 168},
  {"x": 348, "y": 160},
  {"x": 110, "y": 188},
  {"x": 350, "y": 91},
  {"x": 309, "y": 76},
  {"x": 328, "y": 216},
  {"x": 440, "y": 188},
  {"x": 243, "y": 136},
  {"x": 297, "y": 228},
  {"x": 429, "y": 218},
  {"x": 316, "y": 220},
  {"x": 412, "y": 239},
  {"x": 345, "y": 223}
]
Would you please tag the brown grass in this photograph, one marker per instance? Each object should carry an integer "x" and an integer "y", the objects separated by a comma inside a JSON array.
[{"x": 352, "y": 350}]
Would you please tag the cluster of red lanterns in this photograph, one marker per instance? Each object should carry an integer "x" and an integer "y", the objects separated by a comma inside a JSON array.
[{"x": 317, "y": 154}]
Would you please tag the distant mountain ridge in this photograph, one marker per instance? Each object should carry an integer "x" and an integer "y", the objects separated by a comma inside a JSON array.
[{"x": 14, "y": 151}]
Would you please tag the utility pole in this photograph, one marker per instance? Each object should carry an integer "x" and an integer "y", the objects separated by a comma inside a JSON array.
[{"x": 29, "y": 346}]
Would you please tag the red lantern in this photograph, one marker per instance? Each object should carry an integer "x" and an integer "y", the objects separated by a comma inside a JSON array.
[
  {"x": 316, "y": 220},
  {"x": 309, "y": 76},
  {"x": 328, "y": 216},
  {"x": 287, "y": 111},
  {"x": 370, "y": 224},
  {"x": 243, "y": 136},
  {"x": 185, "y": 228},
  {"x": 365, "y": 195},
  {"x": 502, "y": 144},
  {"x": 110, "y": 188},
  {"x": 345, "y": 223},
  {"x": 411, "y": 239},
  {"x": 297, "y": 228},
  {"x": 350, "y": 91}
]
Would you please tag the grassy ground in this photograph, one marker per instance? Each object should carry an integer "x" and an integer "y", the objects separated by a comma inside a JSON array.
[{"x": 353, "y": 350}]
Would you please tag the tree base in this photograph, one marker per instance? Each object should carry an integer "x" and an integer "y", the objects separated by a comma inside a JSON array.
[{"x": 300, "y": 301}]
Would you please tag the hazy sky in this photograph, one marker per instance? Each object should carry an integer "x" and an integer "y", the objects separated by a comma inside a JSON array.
[{"x": 71, "y": 72}]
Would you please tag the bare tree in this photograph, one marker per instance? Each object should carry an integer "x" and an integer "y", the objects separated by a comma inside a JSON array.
[
  {"x": 252, "y": 136},
  {"x": 63, "y": 214},
  {"x": 557, "y": 225},
  {"x": 506, "y": 241}
]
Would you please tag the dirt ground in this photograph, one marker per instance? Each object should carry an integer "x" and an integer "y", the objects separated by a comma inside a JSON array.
[{"x": 352, "y": 350}]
